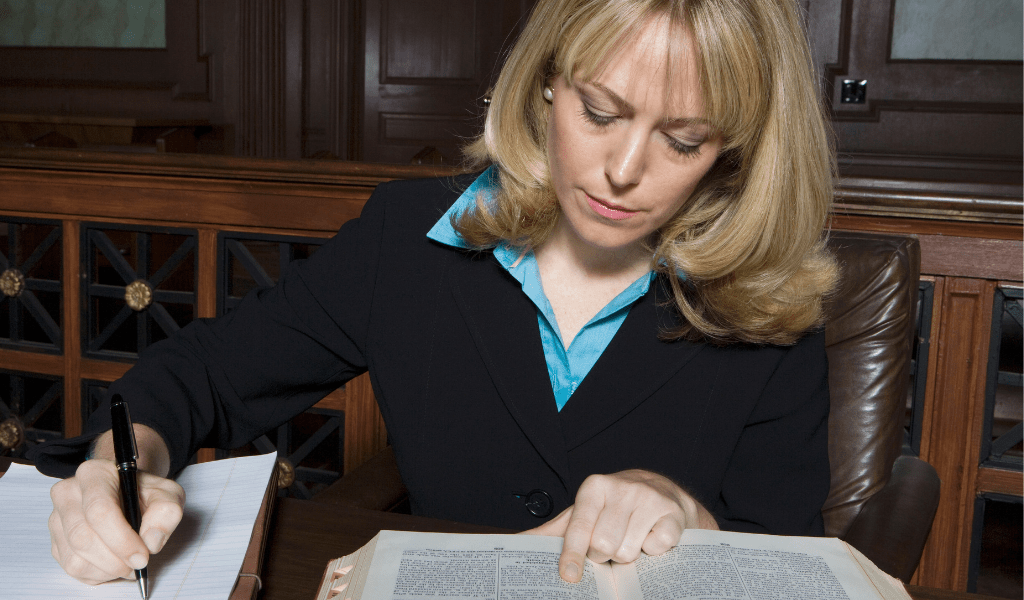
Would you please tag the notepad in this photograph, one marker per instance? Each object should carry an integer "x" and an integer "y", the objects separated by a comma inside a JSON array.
[{"x": 201, "y": 560}]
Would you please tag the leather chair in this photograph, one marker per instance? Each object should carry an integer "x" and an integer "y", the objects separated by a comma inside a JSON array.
[{"x": 880, "y": 502}]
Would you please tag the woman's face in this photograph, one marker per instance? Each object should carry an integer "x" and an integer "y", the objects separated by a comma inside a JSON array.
[{"x": 627, "y": 148}]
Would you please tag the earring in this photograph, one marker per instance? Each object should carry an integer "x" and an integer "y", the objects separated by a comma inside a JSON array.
[{"x": 549, "y": 93}]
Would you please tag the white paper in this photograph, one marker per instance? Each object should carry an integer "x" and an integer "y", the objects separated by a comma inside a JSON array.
[{"x": 201, "y": 560}]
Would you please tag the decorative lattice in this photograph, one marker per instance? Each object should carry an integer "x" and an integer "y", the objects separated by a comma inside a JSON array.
[
  {"x": 30, "y": 285},
  {"x": 310, "y": 446},
  {"x": 139, "y": 287},
  {"x": 1002, "y": 435},
  {"x": 248, "y": 262},
  {"x": 31, "y": 411}
]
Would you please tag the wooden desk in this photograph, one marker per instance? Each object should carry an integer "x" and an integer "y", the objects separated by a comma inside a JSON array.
[{"x": 306, "y": 535}]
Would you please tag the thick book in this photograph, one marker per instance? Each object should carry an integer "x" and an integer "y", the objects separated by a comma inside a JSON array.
[{"x": 712, "y": 565}]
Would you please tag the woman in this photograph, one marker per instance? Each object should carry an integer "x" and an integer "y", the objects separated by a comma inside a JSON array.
[{"x": 609, "y": 324}]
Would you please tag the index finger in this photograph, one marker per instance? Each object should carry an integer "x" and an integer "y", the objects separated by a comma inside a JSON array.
[{"x": 578, "y": 533}]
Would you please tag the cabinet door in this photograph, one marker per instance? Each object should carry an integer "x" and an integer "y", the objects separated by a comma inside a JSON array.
[{"x": 428, "y": 65}]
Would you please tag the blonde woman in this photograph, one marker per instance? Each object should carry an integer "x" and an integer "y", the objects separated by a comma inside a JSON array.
[{"x": 608, "y": 335}]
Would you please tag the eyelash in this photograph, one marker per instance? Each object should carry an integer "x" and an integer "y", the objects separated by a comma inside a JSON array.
[{"x": 604, "y": 121}]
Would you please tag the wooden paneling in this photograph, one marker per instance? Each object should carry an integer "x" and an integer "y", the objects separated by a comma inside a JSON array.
[
  {"x": 429, "y": 41},
  {"x": 331, "y": 99},
  {"x": 172, "y": 83},
  {"x": 293, "y": 79},
  {"x": 365, "y": 435},
  {"x": 999, "y": 481},
  {"x": 70, "y": 327},
  {"x": 923, "y": 107},
  {"x": 952, "y": 424},
  {"x": 428, "y": 64},
  {"x": 262, "y": 79}
]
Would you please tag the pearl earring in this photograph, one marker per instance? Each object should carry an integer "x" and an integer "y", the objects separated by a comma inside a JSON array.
[{"x": 549, "y": 93}]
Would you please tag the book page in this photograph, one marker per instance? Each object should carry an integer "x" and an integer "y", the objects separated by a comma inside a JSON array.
[
  {"x": 201, "y": 560},
  {"x": 428, "y": 566},
  {"x": 721, "y": 565}
]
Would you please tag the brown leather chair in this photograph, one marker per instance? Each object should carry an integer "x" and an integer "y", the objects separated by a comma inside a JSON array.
[{"x": 880, "y": 502}]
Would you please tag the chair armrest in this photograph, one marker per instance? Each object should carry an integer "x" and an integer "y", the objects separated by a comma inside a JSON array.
[
  {"x": 374, "y": 485},
  {"x": 893, "y": 524}
]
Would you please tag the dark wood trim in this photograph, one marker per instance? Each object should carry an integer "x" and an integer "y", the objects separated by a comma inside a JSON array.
[
  {"x": 32, "y": 362},
  {"x": 71, "y": 328},
  {"x": 365, "y": 435},
  {"x": 101, "y": 370},
  {"x": 206, "y": 275},
  {"x": 883, "y": 223},
  {"x": 1000, "y": 481},
  {"x": 961, "y": 322},
  {"x": 328, "y": 172}
]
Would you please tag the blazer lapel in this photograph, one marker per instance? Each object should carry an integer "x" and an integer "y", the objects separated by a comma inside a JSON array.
[
  {"x": 633, "y": 366},
  {"x": 503, "y": 323}
]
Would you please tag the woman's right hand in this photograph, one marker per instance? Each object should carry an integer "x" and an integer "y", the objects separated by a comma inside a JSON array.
[{"x": 90, "y": 537}]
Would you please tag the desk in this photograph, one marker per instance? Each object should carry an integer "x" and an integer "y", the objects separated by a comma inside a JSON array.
[{"x": 306, "y": 535}]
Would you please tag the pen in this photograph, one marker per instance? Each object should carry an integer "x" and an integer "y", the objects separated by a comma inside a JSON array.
[{"x": 125, "y": 455}]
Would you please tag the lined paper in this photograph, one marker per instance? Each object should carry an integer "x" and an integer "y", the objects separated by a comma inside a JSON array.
[{"x": 200, "y": 561}]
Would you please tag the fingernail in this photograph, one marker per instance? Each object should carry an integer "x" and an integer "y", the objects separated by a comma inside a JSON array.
[
  {"x": 572, "y": 572},
  {"x": 137, "y": 561},
  {"x": 154, "y": 540}
]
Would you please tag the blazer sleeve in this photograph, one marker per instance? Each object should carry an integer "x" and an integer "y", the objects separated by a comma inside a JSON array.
[
  {"x": 778, "y": 477},
  {"x": 222, "y": 382}
]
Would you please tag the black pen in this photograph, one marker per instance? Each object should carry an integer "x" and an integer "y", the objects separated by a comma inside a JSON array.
[{"x": 125, "y": 455}]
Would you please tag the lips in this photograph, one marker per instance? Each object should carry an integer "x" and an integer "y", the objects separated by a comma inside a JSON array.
[{"x": 608, "y": 210}]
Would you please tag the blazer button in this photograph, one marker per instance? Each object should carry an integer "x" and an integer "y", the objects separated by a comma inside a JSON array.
[{"x": 538, "y": 502}]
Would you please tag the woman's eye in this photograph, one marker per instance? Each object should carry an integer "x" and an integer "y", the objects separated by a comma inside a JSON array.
[
  {"x": 595, "y": 117},
  {"x": 683, "y": 148}
]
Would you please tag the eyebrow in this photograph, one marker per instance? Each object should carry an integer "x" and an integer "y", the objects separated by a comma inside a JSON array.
[{"x": 625, "y": 106}]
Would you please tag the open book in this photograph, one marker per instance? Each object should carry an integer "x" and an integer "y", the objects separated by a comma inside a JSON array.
[{"x": 716, "y": 565}]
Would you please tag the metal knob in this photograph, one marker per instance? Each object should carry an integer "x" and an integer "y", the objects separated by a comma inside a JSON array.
[
  {"x": 12, "y": 283},
  {"x": 285, "y": 473},
  {"x": 12, "y": 434},
  {"x": 138, "y": 294}
]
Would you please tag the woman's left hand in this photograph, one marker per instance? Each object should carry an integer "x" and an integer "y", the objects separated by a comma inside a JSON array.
[{"x": 616, "y": 516}]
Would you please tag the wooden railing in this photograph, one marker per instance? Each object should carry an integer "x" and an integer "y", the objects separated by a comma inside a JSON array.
[{"x": 970, "y": 234}]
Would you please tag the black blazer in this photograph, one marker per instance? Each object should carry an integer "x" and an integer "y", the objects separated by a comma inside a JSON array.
[{"x": 455, "y": 357}]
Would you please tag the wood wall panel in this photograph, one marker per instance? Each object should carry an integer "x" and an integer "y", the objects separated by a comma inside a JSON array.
[
  {"x": 330, "y": 99},
  {"x": 423, "y": 40},
  {"x": 286, "y": 78},
  {"x": 261, "y": 78},
  {"x": 175, "y": 83},
  {"x": 916, "y": 110}
]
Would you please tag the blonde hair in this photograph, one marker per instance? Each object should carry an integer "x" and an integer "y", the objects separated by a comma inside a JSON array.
[{"x": 750, "y": 237}]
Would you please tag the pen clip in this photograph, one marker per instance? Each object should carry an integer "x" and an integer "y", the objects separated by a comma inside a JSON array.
[{"x": 125, "y": 450}]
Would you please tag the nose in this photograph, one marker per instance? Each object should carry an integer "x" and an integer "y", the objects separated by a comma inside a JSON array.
[{"x": 627, "y": 161}]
